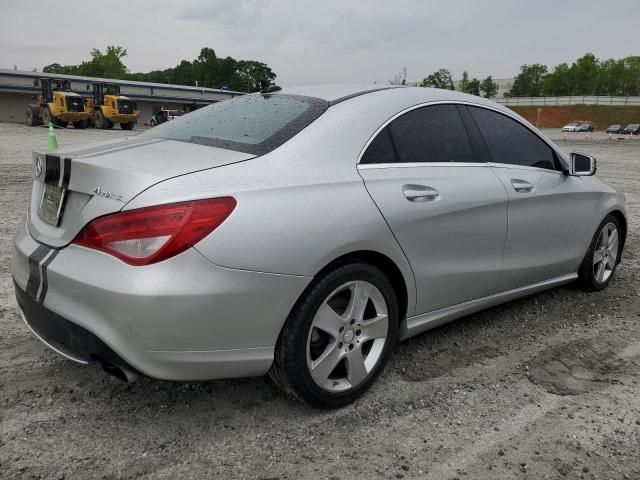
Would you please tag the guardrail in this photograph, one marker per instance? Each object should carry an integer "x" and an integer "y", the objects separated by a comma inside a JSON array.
[{"x": 571, "y": 100}]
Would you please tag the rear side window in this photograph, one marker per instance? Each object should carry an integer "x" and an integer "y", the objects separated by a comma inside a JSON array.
[
  {"x": 255, "y": 124},
  {"x": 511, "y": 142},
  {"x": 427, "y": 134},
  {"x": 431, "y": 134}
]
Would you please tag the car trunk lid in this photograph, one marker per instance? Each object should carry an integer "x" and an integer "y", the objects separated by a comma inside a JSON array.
[{"x": 72, "y": 187}]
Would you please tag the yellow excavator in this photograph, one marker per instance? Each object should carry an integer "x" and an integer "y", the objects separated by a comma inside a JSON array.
[
  {"x": 109, "y": 107},
  {"x": 57, "y": 104}
]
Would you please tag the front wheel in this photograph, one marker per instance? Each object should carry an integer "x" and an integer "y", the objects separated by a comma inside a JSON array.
[
  {"x": 338, "y": 337},
  {"x": 603, "y": 256}
]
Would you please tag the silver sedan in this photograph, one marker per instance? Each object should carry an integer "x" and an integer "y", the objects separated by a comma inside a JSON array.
[{"x": 303, "y": 232}]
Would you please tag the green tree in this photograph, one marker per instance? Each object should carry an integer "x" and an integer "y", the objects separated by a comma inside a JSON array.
[
  {"x": 631, "y": 75},
  {"x": 102, "y": 65},
  {"x": 559, "y": 82},
  {"x": 57, "y": 68},
  {"x": 489, "y": 87},
  {"x": 208, "y": 70},
  {"x": 463, "y": 84},
  {"x": 529, "y": 82},
  {"x": 612, "y": 77},
  {"x": 439, "y": 79},
  {"x": 248, "y": 75},
  {"x": 584, "y": 75},
  {"x": 474, "y": 87}
]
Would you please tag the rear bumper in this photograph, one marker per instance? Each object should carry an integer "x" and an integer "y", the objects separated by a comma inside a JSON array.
[
  {"x": 181, "y": 319},
  {"x": 63, "y": 336}
]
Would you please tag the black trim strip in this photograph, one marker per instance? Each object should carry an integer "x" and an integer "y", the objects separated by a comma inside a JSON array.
[
  {"x": 67, "y": 173},
  {"x": 52, "y": 169},
  {"x": 357, "y": 94},
  {"x": 45, "y": 283},
  {"x": 34, "y": 269}
]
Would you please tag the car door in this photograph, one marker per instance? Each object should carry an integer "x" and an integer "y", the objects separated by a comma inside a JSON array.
[
  {"x": 547, "y": 215},
  {"x": 447, "y": 209}
]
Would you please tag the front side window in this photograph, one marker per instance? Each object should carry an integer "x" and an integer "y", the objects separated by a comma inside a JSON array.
[
  {"x": 255, "y": 124},
  {"x": 511, "y": 142}
]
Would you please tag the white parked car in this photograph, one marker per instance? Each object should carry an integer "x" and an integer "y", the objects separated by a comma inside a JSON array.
[{"x": 571, "y": 127}]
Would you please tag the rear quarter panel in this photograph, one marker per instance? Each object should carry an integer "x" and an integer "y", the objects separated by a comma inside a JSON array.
[{"x": 299, "y": 207}]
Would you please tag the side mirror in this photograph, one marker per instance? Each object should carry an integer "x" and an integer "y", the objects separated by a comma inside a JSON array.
[{"x": 582, "y": 165}]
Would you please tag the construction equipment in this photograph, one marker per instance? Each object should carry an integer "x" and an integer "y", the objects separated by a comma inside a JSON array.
[
  {"x": 57, "y": 104},
  {"x": 109, "y": 107}
]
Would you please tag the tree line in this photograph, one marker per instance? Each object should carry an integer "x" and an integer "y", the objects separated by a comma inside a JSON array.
[
  {"x": 442, "y": 79},
  {"x": 207, "y": 70},
  {"x": 588, "y": 75}
]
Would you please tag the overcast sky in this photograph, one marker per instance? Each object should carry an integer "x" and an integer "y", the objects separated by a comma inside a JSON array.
[{"x": 328, "y": 41}]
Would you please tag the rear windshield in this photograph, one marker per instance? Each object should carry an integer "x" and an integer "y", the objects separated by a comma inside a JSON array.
[{"x": 255, "y": 124}]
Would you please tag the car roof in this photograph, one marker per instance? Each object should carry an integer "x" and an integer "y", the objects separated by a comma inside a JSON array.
[{"x": 334, "y": 94}]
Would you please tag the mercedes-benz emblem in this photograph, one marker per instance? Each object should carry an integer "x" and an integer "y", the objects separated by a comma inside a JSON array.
[{"x": 37, "y": 168}]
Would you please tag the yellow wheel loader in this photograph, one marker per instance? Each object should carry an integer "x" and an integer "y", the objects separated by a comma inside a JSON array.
[
  {"x": 109, "y": 107},
  {"x": 56, "y": 103}
]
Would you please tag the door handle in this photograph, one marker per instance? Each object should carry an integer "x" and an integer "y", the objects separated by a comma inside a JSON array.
[
  {"x": 521, "y": 186},
  {"x": 419, "y": 193}
]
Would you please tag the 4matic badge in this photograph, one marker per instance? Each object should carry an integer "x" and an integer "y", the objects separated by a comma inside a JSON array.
[{"x": 104, "y": 194}]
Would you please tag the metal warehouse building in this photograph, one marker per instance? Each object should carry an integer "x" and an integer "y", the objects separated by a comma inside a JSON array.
[{"x": 17, "y": 89}]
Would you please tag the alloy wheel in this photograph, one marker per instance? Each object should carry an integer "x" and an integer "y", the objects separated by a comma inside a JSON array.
[
  {"x": 605, "y": 255},
  {"x": 347, "y": 336}
]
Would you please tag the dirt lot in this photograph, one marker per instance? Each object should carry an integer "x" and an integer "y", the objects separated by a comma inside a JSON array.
[
  {"x": 543, "y": 387},
  {"x": 601, "y": 115}
]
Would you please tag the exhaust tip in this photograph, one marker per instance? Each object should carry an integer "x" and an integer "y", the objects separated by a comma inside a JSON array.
[{"x": 119, "y": 372}]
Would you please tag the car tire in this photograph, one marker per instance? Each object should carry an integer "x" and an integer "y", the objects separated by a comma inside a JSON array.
[
  {"x": 325, "y": 358},
  {"x": 603, "y": 256}
]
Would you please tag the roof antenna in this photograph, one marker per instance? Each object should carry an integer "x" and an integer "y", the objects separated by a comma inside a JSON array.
[{"x": 266, "y": 87}]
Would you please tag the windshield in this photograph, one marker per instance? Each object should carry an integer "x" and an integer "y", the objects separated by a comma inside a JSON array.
[
  {"x": 255, "y": 124},
  {"x": 633, "y": 125}
]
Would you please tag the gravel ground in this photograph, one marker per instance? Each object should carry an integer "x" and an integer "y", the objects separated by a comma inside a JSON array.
[{"x": 543, "y": 387}]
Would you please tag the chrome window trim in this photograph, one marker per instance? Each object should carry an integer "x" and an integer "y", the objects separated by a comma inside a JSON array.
[
  {"x": 561, "y": 155},
  {"x": 524, "y": 167},
  {"x": 373, "y": 166}
]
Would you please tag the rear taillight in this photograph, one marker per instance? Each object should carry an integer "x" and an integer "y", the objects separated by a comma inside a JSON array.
[{"x": 152, "y": 234}]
